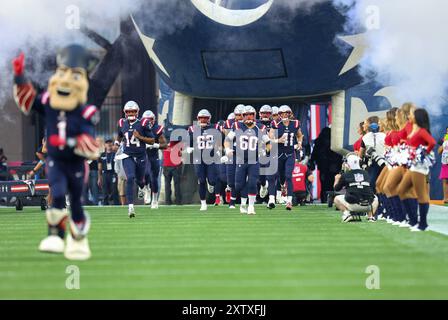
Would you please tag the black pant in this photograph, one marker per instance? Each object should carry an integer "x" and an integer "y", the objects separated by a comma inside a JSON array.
[
  {"x": 172, "y": 173},
  {"x": 110, "y": 190},
  {"x": 299, "y": 198},
  {"x": 327, "y": 184}
]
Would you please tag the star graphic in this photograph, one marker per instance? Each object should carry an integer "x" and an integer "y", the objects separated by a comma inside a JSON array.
[
  {"x": 149, "y": 42},
  {"x": 359, "y": 44}
]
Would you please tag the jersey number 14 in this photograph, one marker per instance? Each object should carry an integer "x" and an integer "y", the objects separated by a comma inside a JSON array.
[{"x": 132, "y": 141}]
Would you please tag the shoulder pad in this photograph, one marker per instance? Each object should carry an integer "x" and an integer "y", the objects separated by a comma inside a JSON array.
[
  {"x": 145, "y": 122},
  {"x": 159, "y": 130}
]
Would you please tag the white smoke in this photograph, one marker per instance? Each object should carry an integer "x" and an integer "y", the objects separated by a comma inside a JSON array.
[
  {"x": 40, "y": 27},
  {"x": 408, "y": 49},
  {"x": 407, "y": 46}
]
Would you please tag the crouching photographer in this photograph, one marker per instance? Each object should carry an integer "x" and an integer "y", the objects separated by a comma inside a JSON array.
[
  {"x": 373, "y": 149},
  {"x": 359, "y": 197}
]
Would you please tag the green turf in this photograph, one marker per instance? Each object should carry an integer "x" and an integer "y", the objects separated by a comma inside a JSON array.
[{"x": 179, "y": 253}]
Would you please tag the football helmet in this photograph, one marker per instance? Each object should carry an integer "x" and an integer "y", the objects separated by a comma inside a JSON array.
[
  {"x": 285, "y": 113},
  {"x": 204, "y": 117},
  {"x": 131, "y": 110},
  {"x": 150, "y": 116},
  {"x": 249, "y": 115},
  {"x": 265, "y": 113}
]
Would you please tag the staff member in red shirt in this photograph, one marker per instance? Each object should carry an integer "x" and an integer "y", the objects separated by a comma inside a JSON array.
[
  {"x": 172, "y": 170},
  {"x": 416, "y": 178}
]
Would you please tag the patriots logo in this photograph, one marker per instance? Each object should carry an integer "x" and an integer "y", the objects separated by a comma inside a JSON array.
[
  {"x": 31, "y": 186},
  {"x": 359, "y": 177}
]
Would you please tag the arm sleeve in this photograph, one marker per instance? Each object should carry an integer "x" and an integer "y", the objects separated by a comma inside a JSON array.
[
  {"x": 340, "y": 184},
  {"x": 428, "y": 139}
]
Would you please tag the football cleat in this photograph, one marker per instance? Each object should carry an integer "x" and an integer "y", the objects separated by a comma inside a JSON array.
[
  {"x": 271, "y": 205},
  {"x": 131, "y": 213},
  {"x": 371, "y": 219},
  {"x": 218, "y": 201},
  {"x": 77, "y": 249},
  {"x": 52, "y": 244},
  {"x": 404, "y": 224},
  {"x": 416, "y": 229},
  {"x": 251, "y": 210},
  {"x": 203, "y": 207},
  {"x": 243, "y": 210},
  {"x": 141, "y": 193},
  {"x": 397, "y": 223},
  {"x": 264, "y": 191},
  {"x": 289, "y": 206},
  {"x": 155, "y": 205}
]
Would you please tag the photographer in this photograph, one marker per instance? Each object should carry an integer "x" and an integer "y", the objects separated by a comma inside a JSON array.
[
  {"x": 373, "y": 149},
  {"x": 359, "y": 196}
]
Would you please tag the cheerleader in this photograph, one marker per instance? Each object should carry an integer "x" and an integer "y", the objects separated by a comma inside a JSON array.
[
  {"x": 396, "y": 210},
  {"x": 416, "y": 178},
  {"x": 361, "y": 132},
  {"x": 390, "y": 127}
]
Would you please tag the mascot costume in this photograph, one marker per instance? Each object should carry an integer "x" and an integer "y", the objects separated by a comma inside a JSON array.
[{"x": 69, "y": 125}]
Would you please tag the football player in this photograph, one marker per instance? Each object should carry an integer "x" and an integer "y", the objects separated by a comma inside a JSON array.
[
  {"x": 231, "y": 163},
  {"x": 248, "y": 137},
  {"x": 135, "y": 134},
  {"x": 70, "y": 125},
  {"x": 205, "y": 145},
  {"x": 288, "y": 135},
  {"x": 275, "y": 116},
  {"x": 266, "y": 121},
  {"x": 153, "y": 166}
]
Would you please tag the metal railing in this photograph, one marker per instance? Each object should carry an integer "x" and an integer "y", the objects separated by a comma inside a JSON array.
[{"x": 111, "y": 112}]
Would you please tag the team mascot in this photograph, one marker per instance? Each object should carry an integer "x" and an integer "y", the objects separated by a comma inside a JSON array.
[{"x": 70, "y": 125}]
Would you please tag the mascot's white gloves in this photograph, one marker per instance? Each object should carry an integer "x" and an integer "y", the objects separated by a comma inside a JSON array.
[{"x": 190, "y": 150}]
